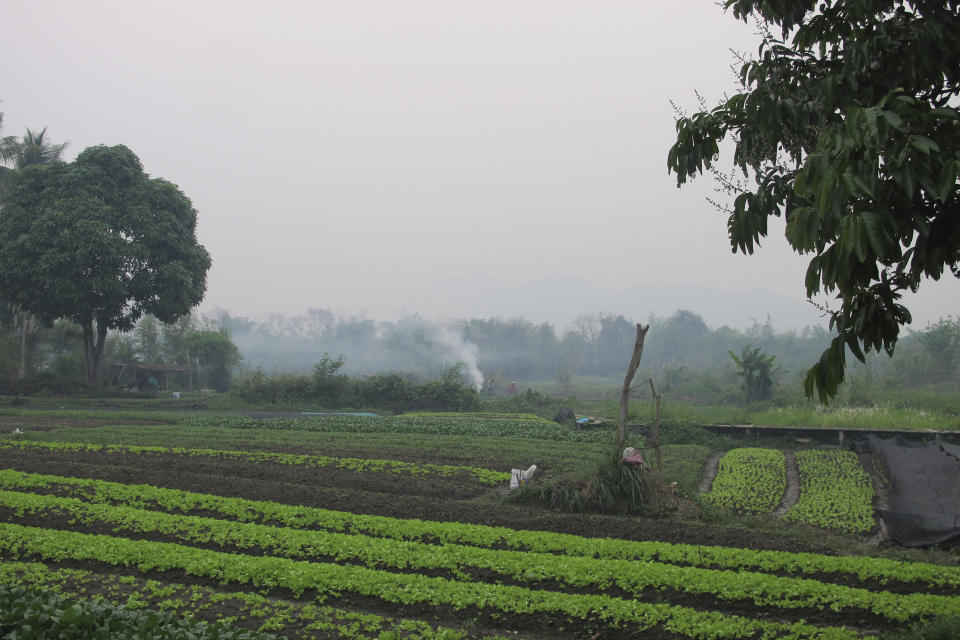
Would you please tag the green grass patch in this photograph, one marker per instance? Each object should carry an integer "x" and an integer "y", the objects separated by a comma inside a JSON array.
[{"x": 683, "y": 464}]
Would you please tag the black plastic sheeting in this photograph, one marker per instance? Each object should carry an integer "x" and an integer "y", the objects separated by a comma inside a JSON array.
[{"x": 925, "y": 490}]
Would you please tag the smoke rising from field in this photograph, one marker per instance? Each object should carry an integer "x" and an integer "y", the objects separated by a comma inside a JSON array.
[
  {"x": 411, "y": 346},
  {"x": 505, "y": 349},
  {"x": 463, "y": 352}
]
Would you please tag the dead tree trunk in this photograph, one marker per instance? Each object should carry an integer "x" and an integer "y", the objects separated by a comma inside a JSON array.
[{"x": 625, "y": 392}]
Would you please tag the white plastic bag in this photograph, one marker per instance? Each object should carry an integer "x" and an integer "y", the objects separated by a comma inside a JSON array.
[{"x": 520, "y": 477}]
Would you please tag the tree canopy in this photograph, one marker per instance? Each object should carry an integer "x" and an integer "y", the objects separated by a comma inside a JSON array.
[
  {"x": 99, "y": 242},
  {"x": 214, "y": 354},
  {"x": 847, "y": 124}
]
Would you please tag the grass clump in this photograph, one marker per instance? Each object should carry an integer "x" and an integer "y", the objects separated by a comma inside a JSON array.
[
  {"x": 935, "y": 629},
  {"x": 605, "y": 485}
]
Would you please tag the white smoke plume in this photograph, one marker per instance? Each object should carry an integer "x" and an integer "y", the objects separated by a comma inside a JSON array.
[
  {"x": 426, "y": 342},
  {"x": 412, "y": 344},
  {"x": 461, "y": 351}
]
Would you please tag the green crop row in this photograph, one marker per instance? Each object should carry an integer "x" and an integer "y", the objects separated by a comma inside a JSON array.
[
  {"x": 300, "y": 517},
  {"x": 435, "y": 425},
  {"x": 358, "y": 465},
  {"x": 473, "y": 415},
  {"x": 632, "y": 577},
  {"x": 749, "y": 479},
  {"x": 458, "y": 450},
  {"x": 32, "y": 615},
  {"x": 835, "y": 492},
  {"x": 331, "y": 580},
  {"x": 135, "y": 593}
]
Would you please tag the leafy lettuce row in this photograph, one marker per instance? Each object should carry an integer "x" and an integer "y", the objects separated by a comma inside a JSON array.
[
  {"x": 383, "y": 553},
  {"x": 276, "y": 615},
  {"x": 300, "y": 517},
  {"x": 332, "y": 580}
]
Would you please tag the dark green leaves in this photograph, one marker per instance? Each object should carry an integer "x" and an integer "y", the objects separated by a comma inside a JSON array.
[
  {"x": 99, "y": 242},
  {"x": 29, "y": 615},
  {"x": 847, "y": 125}
]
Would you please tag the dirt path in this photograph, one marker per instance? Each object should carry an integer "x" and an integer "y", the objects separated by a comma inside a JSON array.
[
  {"x": 792, "y": 494},
  {"x": 710, "y": 472},
  {"x": 882, "y": 500}
]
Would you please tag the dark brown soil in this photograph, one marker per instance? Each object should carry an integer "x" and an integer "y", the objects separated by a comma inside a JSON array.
[
  {"x": 33, "y": 423},
  {"x": 455, "y": 499}
]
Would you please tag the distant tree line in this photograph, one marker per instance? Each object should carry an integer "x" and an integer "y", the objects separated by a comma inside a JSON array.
[
  {"x": 178, "y": 356},
  {"x": 286, "y": 358},
  {"x": 681, "y": 351},
  {"x": 595, "y": 345}
]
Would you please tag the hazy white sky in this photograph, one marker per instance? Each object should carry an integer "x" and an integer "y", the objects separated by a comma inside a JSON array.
[{"x": 362, "y": 155}]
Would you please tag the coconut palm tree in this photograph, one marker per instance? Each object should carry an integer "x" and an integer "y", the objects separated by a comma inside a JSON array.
[{"x": 33, "y": 148}]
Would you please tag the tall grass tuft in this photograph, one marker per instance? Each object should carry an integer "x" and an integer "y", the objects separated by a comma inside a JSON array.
[{"x": 606, "y": 486}]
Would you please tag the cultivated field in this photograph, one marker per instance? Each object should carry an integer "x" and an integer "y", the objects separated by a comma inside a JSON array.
[{"x": 399, "y": 528}]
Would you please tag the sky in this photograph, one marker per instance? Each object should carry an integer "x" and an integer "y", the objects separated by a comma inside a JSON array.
[{"x": 371, "y": 156}]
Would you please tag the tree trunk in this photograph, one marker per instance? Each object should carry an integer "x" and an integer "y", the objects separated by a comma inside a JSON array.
[
  {"x": 22, "y": 369},
  {"x": 625, "y": 392},
  {"x": 93, "y": 344}
]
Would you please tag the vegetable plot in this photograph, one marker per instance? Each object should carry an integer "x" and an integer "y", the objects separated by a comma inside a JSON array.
[
  {"x": 870, "y": 571},
  {"x": 835, "y": 492},
  {"x": 333, "y": 580},
  {"x": 750, "y": 479},
  {"x": 464, "y": 563},
  {"x": 282, "y": 577},
  {"x": 297, "y": 562},
  {"x": 360, "y": 465}
]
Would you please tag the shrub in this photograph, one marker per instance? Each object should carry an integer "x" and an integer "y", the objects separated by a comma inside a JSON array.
[
  {"x": 446, "y": 395},
  {"x": 328, "y": 389},
  {"x": 391, "y": 392}
]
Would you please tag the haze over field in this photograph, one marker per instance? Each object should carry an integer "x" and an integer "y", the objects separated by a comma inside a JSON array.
[{"x": 453, "y": 159}]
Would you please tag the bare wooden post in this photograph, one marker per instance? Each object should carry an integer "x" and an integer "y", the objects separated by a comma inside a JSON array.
[
  {"x": 656, "y": 425},
  {"x": 625, "y": 393}
]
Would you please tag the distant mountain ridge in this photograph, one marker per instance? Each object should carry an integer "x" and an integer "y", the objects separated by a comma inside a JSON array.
[{"x": 559, "y": 300}]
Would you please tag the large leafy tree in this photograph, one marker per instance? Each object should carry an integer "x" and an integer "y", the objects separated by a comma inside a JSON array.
[
  {"x": 847, "y": 124},
  {"x": 33, "y": 148},
  {"x": 99, "y": 242}
]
